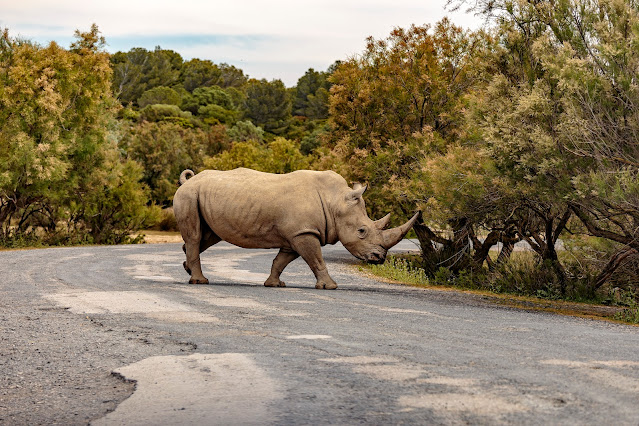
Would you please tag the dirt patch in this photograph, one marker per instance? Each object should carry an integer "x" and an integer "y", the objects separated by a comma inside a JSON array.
[
  {"x": 359, "y": 360},
  {"x": 160, "y": 237},
  {"x": 118, "y": 302},
  {"x": 395, "y": 372},
  {"x": 616, "y": 374},
  {"x": 457, "y": 403},
  {"x": 381, "y": 368}
]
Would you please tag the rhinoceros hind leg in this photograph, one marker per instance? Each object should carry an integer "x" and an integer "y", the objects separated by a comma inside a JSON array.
[
  {"x": 192, "y": 264},
  {"x": 185, "y": 207},
  {"x": 308, "y": 246},
  {"x": 209, "y": 238},
  {"x": 283, "y": 258},
  {"x": 192, "y": 239}
]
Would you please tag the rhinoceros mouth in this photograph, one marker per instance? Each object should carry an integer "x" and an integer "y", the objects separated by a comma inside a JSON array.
[{"x": 374, "y": 257}]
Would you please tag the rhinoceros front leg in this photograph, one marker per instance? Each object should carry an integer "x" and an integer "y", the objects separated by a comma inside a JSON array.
[
  {"x": 308, "y": 246},
  {"x": 283, "y": 258}
]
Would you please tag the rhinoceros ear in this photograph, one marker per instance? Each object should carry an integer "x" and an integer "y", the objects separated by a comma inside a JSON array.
[{"x": 355, "y": 195}]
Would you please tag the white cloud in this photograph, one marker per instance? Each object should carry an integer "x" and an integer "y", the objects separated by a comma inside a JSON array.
[{"x": 285, "y": 32}]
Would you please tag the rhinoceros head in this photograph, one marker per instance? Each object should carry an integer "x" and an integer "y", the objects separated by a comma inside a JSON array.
[{"x": 366, "y": 239}]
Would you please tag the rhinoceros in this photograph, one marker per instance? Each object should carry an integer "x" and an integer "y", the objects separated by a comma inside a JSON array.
[{"x": 297, "y": 212}]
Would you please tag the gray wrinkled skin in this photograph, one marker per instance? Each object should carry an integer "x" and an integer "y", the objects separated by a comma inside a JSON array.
[{"x": 297, "y": 212}]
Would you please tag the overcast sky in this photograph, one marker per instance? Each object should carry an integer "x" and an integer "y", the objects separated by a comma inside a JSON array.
[{"x": 265, "y": 38}]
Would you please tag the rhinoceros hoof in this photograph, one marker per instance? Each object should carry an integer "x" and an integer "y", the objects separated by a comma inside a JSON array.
[
  {"x": 194, "y": 281},
  {"x": 326, "y": 286},
  {"x": 274, "y": 283},
  {"x": 186, "y": 268}
]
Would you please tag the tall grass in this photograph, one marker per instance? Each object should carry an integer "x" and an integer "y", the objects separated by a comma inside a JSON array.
[{"x": 401, "y": 269}]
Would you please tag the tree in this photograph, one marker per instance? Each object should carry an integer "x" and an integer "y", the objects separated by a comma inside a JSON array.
[
  {"x": 212, "y": 103},
  {"x": 57, "y": 146},
  {"x": 267, "y": 105},
  {"x": 279, "y": 156},
  {"x": 139, "y": 70},
  {"x": 159, "y": 95},
  {"x": 576, "y": 152},
  {"x": 311, "y": 95},
  {"x": 167, "y": 113},
  {"x": 164, "y": 149},
  {"x": 231, "y": 76},
  {"x": 398, "y": 105},
  {"x": 204, "y": 73},
  {"x": 245, "y": 131}
]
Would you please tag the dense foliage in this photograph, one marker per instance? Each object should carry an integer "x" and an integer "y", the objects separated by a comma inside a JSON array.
[
  {"x": 61, "y": 175},
  {"x": 526, "y": 131},
  {"x": 92, "y": 143}
]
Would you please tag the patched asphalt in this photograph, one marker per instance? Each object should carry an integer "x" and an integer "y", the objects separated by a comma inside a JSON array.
[{"x": 115, "y": 335}]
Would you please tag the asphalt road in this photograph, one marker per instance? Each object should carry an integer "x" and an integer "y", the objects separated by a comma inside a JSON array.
[{"x": 115, "y": 335}]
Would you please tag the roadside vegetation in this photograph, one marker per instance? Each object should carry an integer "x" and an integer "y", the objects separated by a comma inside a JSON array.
[
  {"x": 526, "y": 130},
  {"x": 521, "y": 283}
]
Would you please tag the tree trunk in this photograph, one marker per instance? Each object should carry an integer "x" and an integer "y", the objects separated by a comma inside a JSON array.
[
  {"x": 508, "y": 240},
  {"x": 482, "y": 249},
  {"x": 615, "y": 262},
  {"x": 549, "y": 254},
  {"x": 427, "y": 242},
  {"x": 438, "y": 252},
  {"x": 460, "y": 258}
]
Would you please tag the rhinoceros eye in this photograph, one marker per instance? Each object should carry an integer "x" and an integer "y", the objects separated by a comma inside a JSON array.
[{"x": 362, "y": 232}]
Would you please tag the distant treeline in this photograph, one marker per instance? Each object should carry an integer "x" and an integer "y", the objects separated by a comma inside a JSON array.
[
  {"x": 527, "y": 130},
  {"x": 196, "y": 114}
]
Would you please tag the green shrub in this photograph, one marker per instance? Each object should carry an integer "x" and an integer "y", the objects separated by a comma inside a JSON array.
[
  {"x": 160, "y": 112},
  {"x": 400, "y": 269},
  {"x": 246, "y": 131},
  {"x": 159, "y": 95},
  {"x": 166, "y": 221},
  {"x": 630, "y": 315},
  {"x": 279, "y": 156}
]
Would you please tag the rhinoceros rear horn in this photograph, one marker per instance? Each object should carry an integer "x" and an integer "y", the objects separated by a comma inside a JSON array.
[
  {"x": 395, "y": 235},
  {"x": 356, "y": 193},
  {"x": 383, "y": 222}
]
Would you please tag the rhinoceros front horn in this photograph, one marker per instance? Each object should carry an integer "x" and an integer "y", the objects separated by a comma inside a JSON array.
[{"x": 395, "y": 235}]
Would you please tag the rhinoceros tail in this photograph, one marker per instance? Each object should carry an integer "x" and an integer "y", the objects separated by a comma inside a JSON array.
[{"x": 185, "y": 175}]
